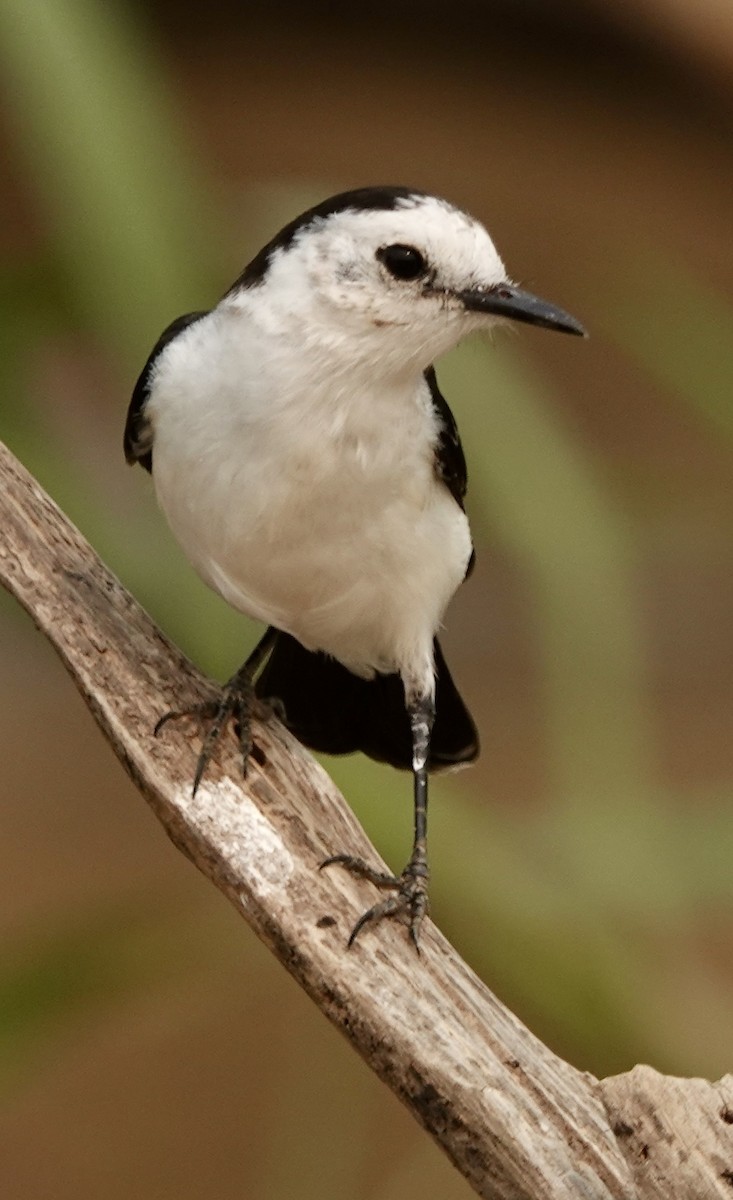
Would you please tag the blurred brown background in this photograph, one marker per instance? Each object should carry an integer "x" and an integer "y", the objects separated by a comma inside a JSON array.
[{"x": 148, "y": 1045}]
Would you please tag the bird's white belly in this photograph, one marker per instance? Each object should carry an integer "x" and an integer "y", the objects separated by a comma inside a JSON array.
[{"x": 356, "y": 558}]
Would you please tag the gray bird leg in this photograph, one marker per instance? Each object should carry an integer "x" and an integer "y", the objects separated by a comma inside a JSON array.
[{"x": 410, "y": 889}]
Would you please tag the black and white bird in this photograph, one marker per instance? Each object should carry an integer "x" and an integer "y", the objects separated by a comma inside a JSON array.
[{"x": 311, "y": 470}]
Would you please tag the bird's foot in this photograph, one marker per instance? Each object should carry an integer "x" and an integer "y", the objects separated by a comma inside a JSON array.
[
  {"x": 409, "y": 899},
  {"x": 236, "y": 703}
]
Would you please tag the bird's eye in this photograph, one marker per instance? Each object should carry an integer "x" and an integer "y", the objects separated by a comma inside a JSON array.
[{"x": 403, "y": 262}]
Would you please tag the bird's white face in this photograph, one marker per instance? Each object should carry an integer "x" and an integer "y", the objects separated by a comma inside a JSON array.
[
  {"x": 387, "y": 280},
  {"x": 401, "y": 267}
]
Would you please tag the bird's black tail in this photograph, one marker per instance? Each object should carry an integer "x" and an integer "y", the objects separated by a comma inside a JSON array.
[{"x": 331, "y": 710}]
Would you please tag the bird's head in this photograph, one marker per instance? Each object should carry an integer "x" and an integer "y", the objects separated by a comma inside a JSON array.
[{"x": 389, "y": 274}]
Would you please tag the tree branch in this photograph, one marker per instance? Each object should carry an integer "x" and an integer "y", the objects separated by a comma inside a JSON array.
[{"x": 518, "y": 1122}]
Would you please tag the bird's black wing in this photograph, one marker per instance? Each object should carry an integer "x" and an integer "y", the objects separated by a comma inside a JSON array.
[
  {"x": 450, "y": 461},
  {"x": 138, "y": 441}
]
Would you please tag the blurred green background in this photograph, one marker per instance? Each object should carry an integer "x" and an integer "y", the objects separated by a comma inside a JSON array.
[{"x": 148, "y": 1044}]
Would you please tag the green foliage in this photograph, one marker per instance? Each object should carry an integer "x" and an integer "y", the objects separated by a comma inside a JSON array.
[{"x": 680, "y": 330}]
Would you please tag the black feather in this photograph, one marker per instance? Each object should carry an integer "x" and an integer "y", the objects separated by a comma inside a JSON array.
[
  {"x": 450, "y": 461},
  {"x": 138, "y": 440},
  {"x": 329, "y": 709}
]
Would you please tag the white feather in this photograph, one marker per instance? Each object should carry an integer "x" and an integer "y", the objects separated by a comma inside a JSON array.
[{"x": 294, "y": 438}]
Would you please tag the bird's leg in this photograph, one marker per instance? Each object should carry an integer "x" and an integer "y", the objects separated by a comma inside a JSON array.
[
  {"x": 410, "y": 889},
  {"x": 236, "y": 701}
]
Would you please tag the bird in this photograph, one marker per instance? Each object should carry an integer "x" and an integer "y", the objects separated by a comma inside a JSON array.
[{"x": 312, "y": 471}]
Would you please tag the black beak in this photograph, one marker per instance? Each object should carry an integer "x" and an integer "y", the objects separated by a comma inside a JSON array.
[{"x": 506, "y": 300}]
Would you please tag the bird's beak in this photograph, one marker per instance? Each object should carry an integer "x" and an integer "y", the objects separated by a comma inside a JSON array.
[{"x": 506, "y": 300}]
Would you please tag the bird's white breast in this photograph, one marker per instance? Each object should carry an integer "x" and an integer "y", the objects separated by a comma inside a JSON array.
[{"x": 307, "y": 497}]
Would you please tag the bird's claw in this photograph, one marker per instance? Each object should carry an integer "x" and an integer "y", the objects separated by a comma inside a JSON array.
[
  {"x": 200, "y": 713},
  {"x": 235, "y": 702},
  {"x": 409, "y": 900}
]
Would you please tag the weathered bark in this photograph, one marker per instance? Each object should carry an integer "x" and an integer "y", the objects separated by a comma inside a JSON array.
[{"x": 517, "y": 1121}]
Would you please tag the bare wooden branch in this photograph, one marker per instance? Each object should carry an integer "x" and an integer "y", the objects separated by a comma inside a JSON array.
[{"x": 517, "y": 1121}]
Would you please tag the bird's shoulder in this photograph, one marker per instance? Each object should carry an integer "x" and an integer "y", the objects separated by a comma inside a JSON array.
[
  {"x": 138, "y": 439},
  {"x": 450, "y": 462}
]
